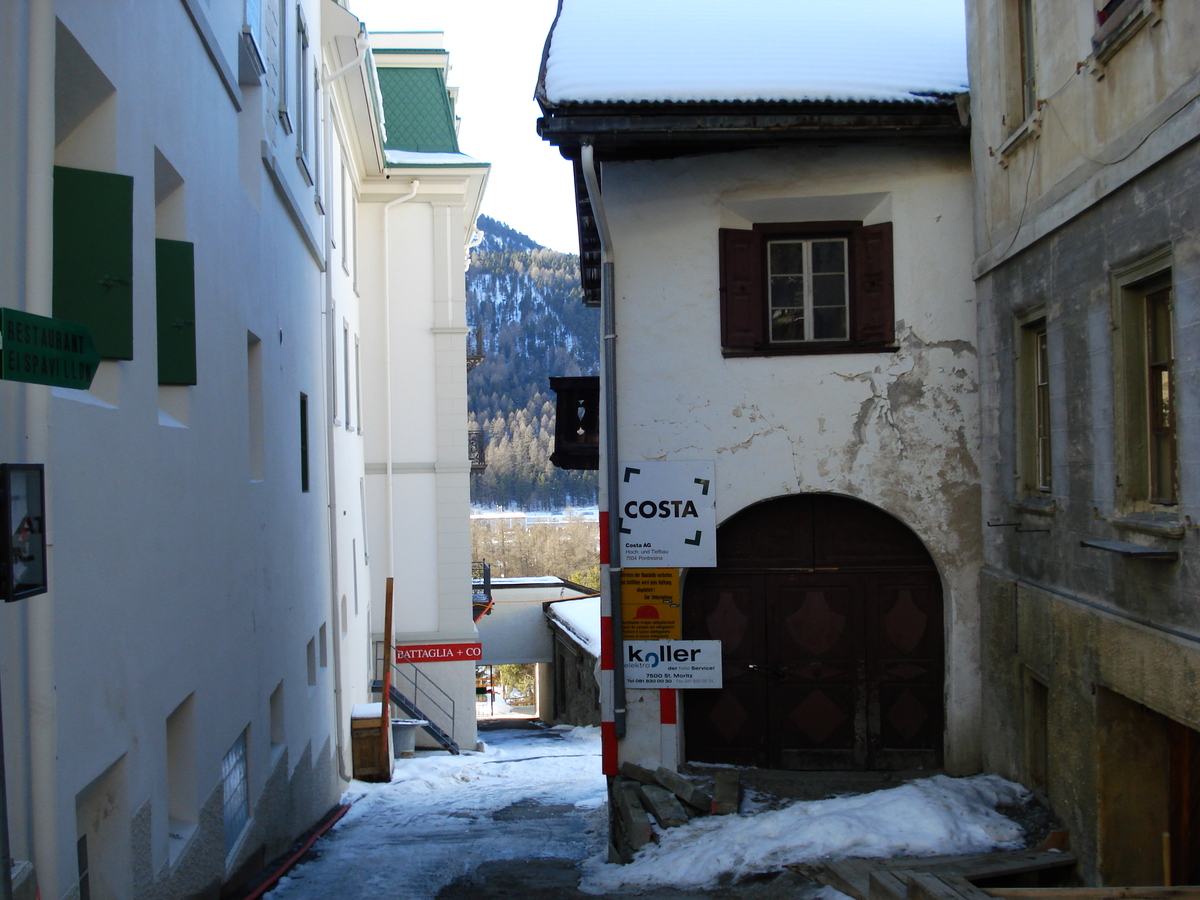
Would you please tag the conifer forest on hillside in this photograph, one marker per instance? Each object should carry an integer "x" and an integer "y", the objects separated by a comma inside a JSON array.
[{"x": 524, "y": 305}]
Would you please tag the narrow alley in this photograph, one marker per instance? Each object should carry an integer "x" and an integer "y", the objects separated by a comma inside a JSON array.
[{"x": 526, "y": 818}]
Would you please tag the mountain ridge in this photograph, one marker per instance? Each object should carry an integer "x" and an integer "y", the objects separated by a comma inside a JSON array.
[{"x": 525, "y": 306}]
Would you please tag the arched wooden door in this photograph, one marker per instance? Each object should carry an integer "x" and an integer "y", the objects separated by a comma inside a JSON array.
[{"x": 830, "y": 616}]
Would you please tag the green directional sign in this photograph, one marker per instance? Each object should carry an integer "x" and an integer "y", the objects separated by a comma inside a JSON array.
[{"x": 41, "y": 350}]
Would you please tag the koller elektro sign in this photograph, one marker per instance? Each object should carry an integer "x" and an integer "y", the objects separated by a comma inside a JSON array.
[
  {"x": 667, "y": 514},
  {"x": 673, "y": 664}
]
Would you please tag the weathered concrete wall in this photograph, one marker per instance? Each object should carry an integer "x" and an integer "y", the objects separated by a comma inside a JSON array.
[
  {"x": 1103, "y": 620},
  {"x": 572, "y": 687},
  {"x": 896, "y": 429},
  {"x": 1080, "y": 652}
]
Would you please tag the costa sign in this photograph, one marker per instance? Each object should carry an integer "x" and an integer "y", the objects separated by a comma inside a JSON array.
[
  {"x": 419, "y": 653},
  {"x": 667, "y": 514}
]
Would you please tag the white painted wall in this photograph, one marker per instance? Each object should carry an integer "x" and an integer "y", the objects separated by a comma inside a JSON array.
[
  {"x": 174, "y": 574},
  {"x": 413, "y": 286},
  {"x": 897, "y": 429},
  {"x": 176, "y": 571}
]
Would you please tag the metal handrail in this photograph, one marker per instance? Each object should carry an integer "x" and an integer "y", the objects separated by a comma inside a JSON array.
[{"x": 416, "y": 693}]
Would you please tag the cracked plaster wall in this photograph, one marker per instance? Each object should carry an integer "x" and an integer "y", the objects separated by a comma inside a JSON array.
[{"x": 898, "y": 429}]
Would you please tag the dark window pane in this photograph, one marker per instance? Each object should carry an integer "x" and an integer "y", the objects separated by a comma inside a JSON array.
[
  {"x": 829, "y": 290},
  {"x": 787, "y": 257},
  {"x": 787, "y": 324},
  {"x": 829, "y": 323},
  {"x": 787, "y": 291},
  {"x": 829, "y": 256}
]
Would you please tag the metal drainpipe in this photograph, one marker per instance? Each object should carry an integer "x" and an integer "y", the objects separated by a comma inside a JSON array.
[
  {"x": 42, "y": 714},
  {"x": 612, "y": 466},
  {"x": 387, "y": 363}
]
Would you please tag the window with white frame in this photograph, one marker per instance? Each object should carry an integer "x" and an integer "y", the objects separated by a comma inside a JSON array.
[
  {"x": 304, "y": 97},
  {"x": 806, "y": 287},
  {"x": 236, "y": 792},
  {"x": 282, "y": 64}
]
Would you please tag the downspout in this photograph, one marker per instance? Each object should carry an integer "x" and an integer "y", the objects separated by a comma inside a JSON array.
[
  {"x": 387, "y": 349},
  {"x": 363, "y": 46},
  {"x": 39, "y": 611},
  {"x": 608, "y": 377}
]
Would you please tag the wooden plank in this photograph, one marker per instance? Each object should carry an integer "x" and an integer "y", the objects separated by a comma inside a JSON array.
[
  {"x": 886, "y": 885},
  {"x": 987, "y": 865},
  {"x": 928, "y": 886},
  {"x": 851, "y": 876},
  {"x": 1152, "y": 892}
]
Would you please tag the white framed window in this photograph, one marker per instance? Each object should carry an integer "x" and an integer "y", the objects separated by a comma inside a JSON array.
[
  {"x": 357, "y": 384},
  {"x": 304, "y": 97},
  {"x": 236, "y": 791},
  {"x": 809, "y": 288},
  {"x": 346, "y": 372},
  {"x": 282, "y": 64}
]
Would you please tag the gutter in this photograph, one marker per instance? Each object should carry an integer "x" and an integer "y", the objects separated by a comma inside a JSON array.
[
  {"x": 608, "y": 383},
  {"x": 42, "y": 701}
]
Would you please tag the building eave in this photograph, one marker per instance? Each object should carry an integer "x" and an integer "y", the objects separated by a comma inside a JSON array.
[{"x": 658, "y": 130}]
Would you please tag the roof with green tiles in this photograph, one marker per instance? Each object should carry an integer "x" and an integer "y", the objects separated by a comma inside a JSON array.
[{"x": 417, "y": 110}]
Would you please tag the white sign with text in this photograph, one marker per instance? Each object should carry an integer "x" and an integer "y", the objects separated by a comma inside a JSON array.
[
  {"x": 672, "y": 664},
  {"x": 667, "y": 514}
]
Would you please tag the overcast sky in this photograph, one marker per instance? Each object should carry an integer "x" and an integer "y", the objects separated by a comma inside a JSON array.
[{"x": 495, "y": 48}]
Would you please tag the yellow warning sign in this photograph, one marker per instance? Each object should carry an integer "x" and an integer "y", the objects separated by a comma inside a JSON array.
[{"x": 650, "y": 605}]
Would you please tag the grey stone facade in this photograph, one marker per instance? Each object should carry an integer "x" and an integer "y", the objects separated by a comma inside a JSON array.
[{"x": 1091, "y": 654}]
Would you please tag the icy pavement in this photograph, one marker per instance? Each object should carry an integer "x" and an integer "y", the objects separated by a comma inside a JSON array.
[
  {"x": 538, "y": 794},
  {"x": 531, "y": 793}
]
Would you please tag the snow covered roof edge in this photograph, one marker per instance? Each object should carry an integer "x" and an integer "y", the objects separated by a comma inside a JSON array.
[{"x": 629, "y": 51}]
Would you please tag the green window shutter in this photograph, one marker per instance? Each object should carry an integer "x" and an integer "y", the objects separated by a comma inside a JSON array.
[
  {"x": 175, "y": 272},
  {"x": 93, "y": 256}
]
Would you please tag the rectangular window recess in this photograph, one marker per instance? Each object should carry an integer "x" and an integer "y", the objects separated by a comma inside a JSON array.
[
  {"x": 1030, "y": 128},
  {"x": 251, "y": 67},
  {"x": 1124, "y": 548},
  {"x": 1122, "y": 23},
  {"x": 302, "y": 163}
]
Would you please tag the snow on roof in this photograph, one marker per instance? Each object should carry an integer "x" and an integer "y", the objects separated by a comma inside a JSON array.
[
  {"x": 769, "y": 50},
  {"x": 410, "y": 158},
  {"x": 580, "y": 619}
]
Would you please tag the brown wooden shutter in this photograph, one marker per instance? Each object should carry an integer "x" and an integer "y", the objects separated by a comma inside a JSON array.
[
  {"x": 874, "y": 285},
  {"x": 741, "y": 289}
]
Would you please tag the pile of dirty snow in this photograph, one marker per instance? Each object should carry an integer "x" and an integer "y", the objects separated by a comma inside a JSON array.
[{"x": 929, "y": 817}]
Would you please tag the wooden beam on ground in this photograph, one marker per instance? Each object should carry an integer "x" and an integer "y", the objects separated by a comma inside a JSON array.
[
  {"x": 886, "y": 885},
  {"x": 1152, "y": 892},
  {"x": 987, "y": 865},
  {"x": 928, "y": 886}
]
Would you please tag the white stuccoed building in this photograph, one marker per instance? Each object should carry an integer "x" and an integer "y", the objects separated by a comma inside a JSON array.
[
  {"x": 776, "y": 207},
  {"x": 207, "y": 185}
]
